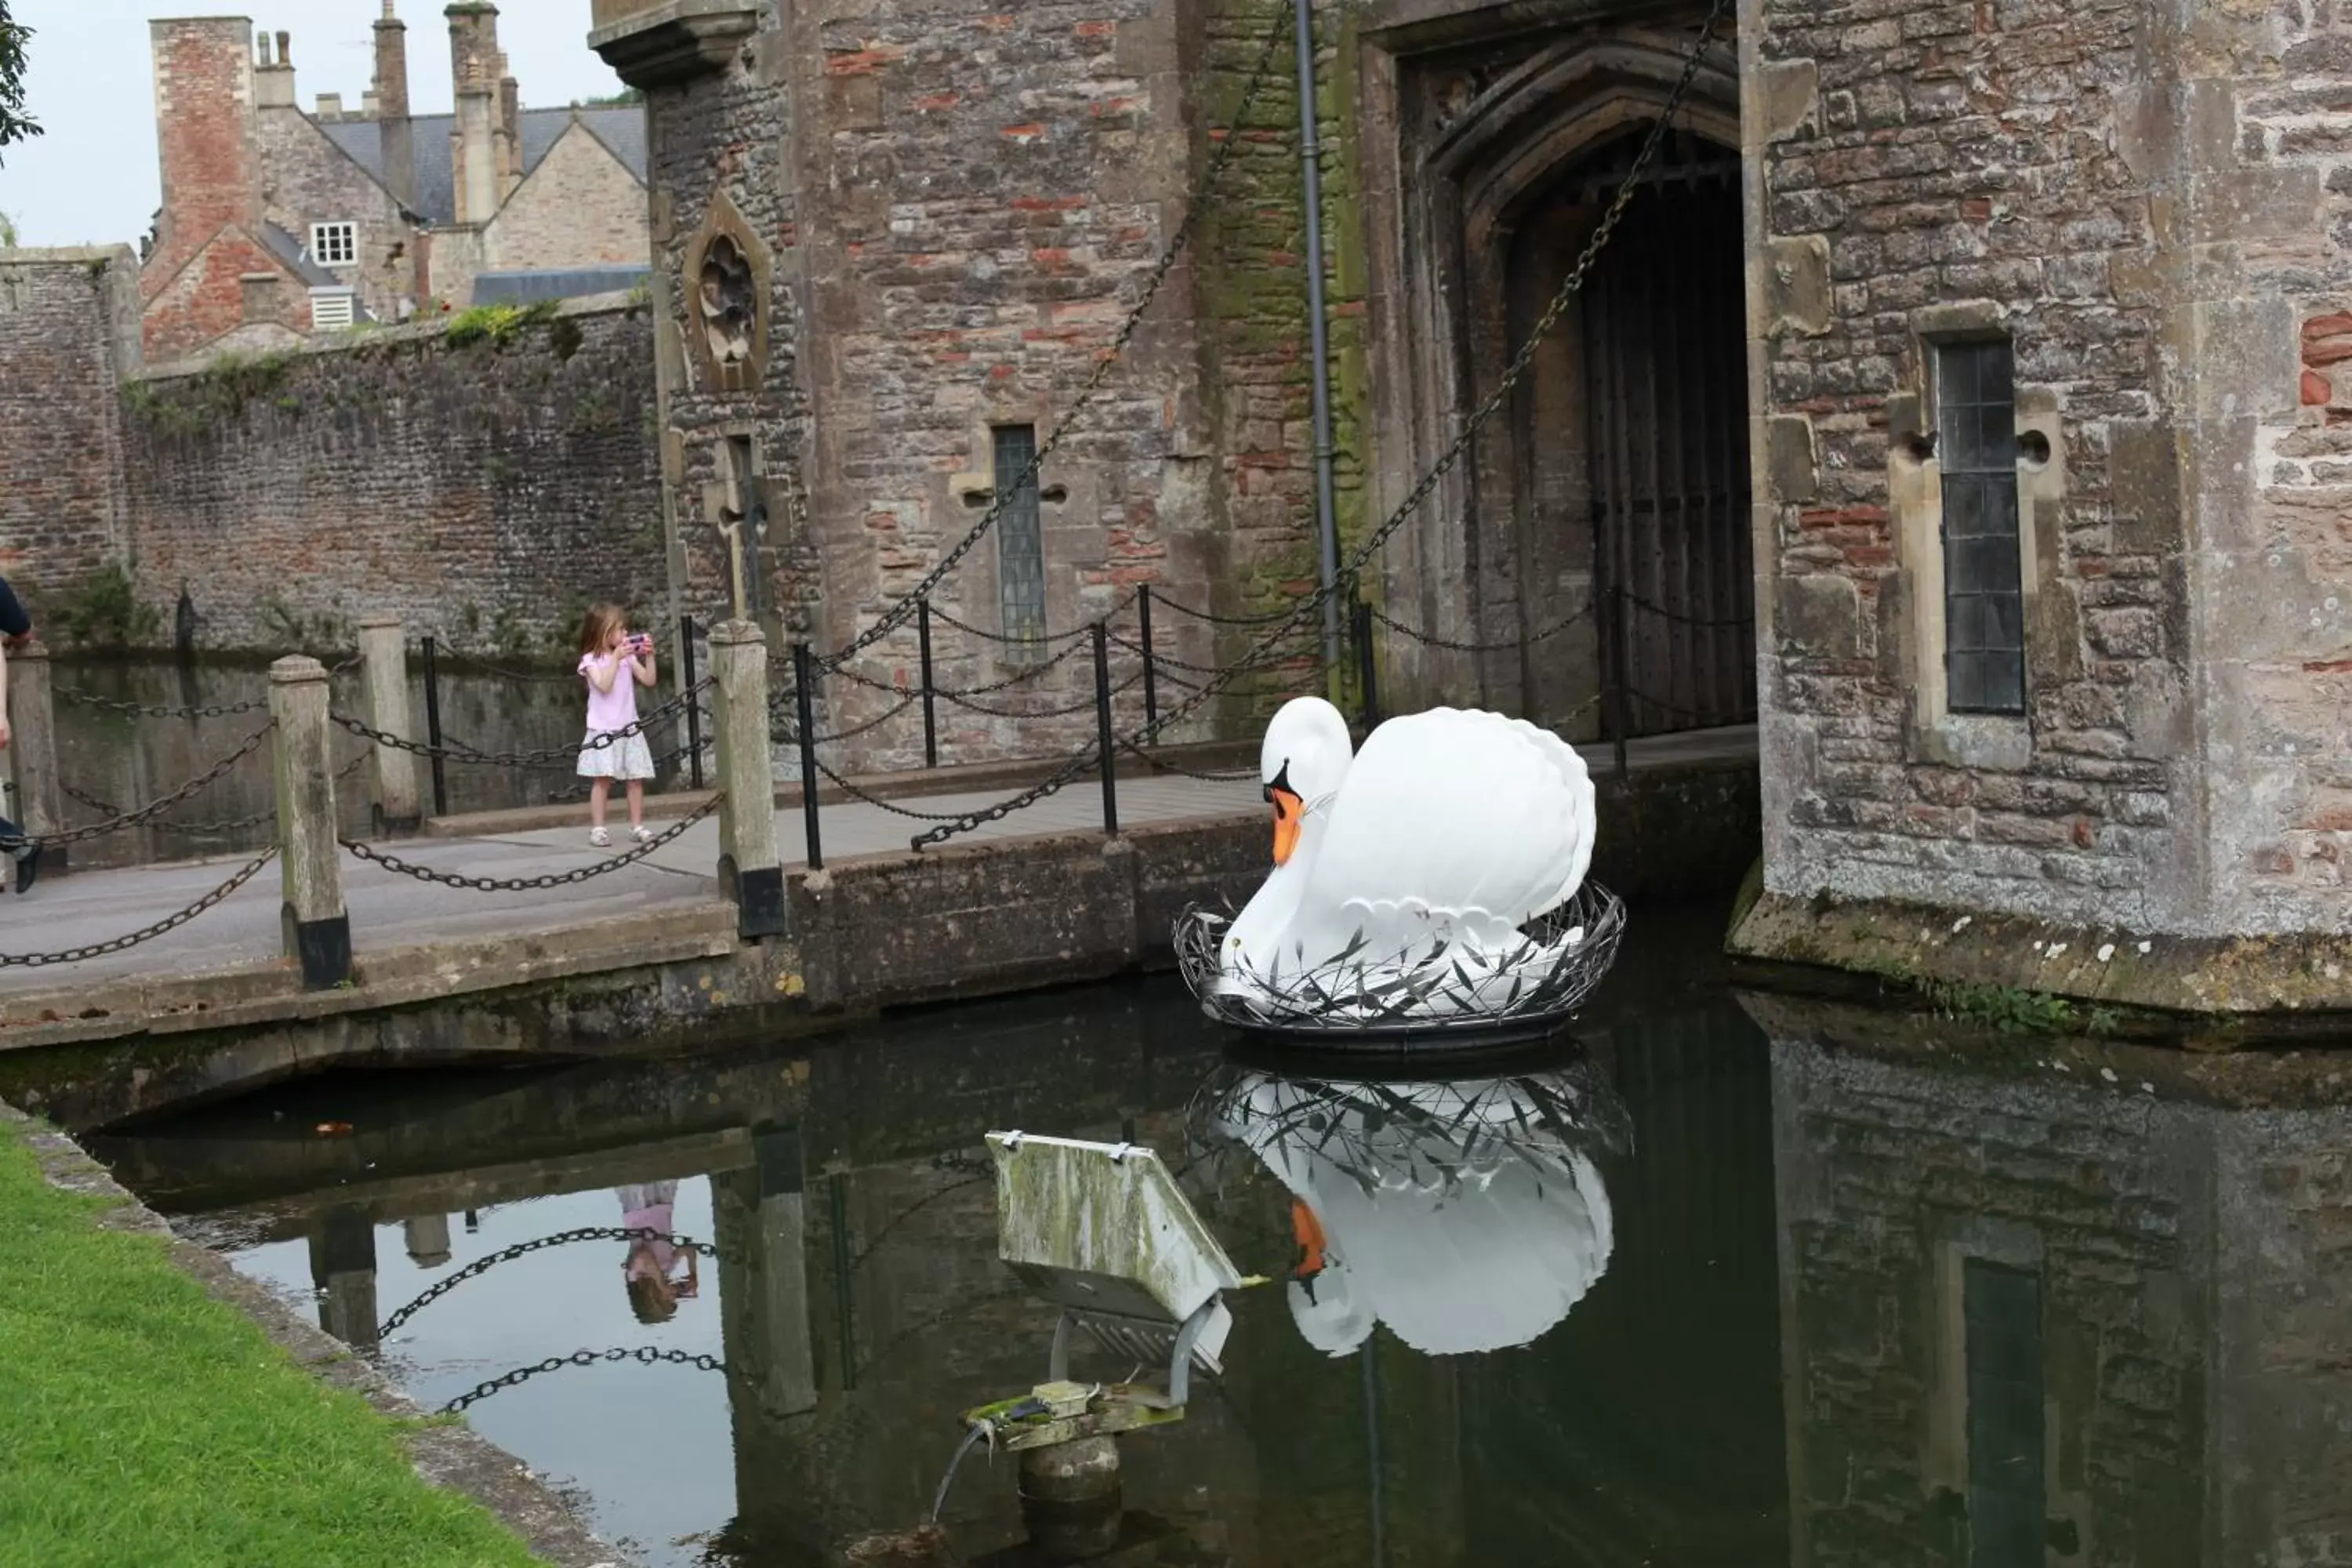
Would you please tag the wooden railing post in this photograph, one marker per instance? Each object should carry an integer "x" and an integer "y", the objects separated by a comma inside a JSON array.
[
  {"x": 750, "y": 871},
  {"x": 316, "y": 929},
  {"x": 383, "y": 664}
]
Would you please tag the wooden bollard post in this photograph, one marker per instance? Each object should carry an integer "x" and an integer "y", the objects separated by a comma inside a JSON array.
[
  {"x": 317, "y": 930},
  {"x": 383, "y": 664},
  {"x": 750, "y": 871},
  {"x": 33, "y": 751}
]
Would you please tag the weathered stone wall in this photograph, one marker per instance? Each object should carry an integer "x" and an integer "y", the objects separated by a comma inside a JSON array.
[
  {"x": 1930, "y": 172},
  {"x": 2151, "y": 208},
  {"x": 69, "y": 334},
  {"x": 581, "y": 207},
  {"x": 483, "y": 492}
]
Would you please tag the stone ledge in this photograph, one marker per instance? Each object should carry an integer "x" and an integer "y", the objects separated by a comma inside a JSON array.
[
  {"x": 2254, "y": 987},
  {"x": 454, "y": 1457}
]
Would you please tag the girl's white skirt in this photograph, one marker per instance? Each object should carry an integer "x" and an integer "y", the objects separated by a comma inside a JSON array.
[{"x": 623, "y": 759}]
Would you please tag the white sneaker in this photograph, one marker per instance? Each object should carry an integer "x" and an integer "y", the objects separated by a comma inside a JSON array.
[
  {"x": 641, "y": 834},
  {"x": 600, "y": 838}
]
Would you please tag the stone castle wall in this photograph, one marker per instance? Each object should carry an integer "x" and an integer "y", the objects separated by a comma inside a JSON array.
[
  {"x": 484, "y": 492},
  {"x": 69, "y": 336}
]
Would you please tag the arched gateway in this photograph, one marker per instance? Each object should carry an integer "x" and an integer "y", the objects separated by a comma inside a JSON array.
[{"x": 1598, "y": 546}]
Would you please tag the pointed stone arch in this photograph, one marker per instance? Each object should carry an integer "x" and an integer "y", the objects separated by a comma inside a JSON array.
[
  {"x": 1485, "y": 135},
  {"x": 725, "y": 294}
]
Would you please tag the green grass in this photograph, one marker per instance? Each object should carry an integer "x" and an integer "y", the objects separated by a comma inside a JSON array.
[{"x": 143, "y": 1422}]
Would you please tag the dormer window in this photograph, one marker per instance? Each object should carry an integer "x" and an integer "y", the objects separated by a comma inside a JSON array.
[{"x": 334, "y": 244}]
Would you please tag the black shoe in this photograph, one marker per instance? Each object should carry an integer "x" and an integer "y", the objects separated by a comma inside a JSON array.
[{"x": 28, "y": 865}]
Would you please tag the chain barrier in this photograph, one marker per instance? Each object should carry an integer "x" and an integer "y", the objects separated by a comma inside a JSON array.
[
  {"x": 1025, "y": 673},
  {"x": 855, "y": 792},
  {"x": 1639, "y": 603},
  {"x": 785, "y": 737},
  {"x": 156, "y": 808},
  {"x": 1042, "y": 639},
  {"x": 649, "y": 1355},
  {"x": 1675, "y": 711},
  {"x": 532, "y": 884},
  {"x": 1310, "y": 605},
  {"x": 1162, "y": 764},
  {"x": 78, "y": 698},
  {"x": 1216, "y": 620},
  {"x": 1082, "y": 705},
  {"x": 1452, "y": 644},
  {"x": 521, "y": 760},
  {"x": 896, "y": 615},
  {"x": 198, "y": 829},
  {"x": 481, "y": 1265},
  {"x": 145, "y": 934},
  {"x": 1162, "y": 662}
]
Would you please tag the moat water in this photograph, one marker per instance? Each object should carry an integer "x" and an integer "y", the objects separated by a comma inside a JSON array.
[
  {"x": 1752, "y": 1293},
  {"x": 117, "y": 761}
]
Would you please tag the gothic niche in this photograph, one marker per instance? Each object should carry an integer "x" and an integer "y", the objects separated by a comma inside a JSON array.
[
  {"x": 728, "y": 303},
  {"x": 724, "y": 281}
]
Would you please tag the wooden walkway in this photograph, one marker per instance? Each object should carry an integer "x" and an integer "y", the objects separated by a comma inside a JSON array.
[{"x": 390, "y": 910}]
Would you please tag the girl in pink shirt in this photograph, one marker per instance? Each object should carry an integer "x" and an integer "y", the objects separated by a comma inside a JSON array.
[{"x": 614, "y": 666}]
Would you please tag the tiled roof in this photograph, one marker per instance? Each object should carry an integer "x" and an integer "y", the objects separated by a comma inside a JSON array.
[{"x": 621, "y": 128}]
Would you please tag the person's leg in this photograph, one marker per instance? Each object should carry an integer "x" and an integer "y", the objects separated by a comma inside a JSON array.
[
  {"x": 24, "y": 854},
  {"x": 599, "y": 791},
  {"x": 636, "y": 804}
]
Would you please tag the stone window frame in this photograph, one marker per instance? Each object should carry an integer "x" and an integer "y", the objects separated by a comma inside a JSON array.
[
  {"x": 2001, "y": 742},
  {"x": 335, "y": 244},
  {"x": 970, "y": 491}
]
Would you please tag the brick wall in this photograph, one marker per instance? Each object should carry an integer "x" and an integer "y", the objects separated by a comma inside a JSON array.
[
  {"x": 68, "y": 333},
  {"x": 581, "y": 207},
  {"x": 207, "y": 236},
  {"x": 307, "y": 179},
  {"x": 483, "y": 493}
]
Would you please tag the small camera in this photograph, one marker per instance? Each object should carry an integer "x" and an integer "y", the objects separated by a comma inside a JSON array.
[{"x": 640, "y": 642}]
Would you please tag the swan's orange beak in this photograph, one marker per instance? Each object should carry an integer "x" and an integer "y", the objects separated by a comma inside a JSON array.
[
  {"x": 1288, "y": 811},
  {"x": 1309, "y": 1234}
]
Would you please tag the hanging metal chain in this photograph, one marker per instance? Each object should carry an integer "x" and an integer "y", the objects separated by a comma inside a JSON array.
[
  {"x": 1311, "y": 604},
  {"x": 1025, "y": 673},
  {"x": 1215, "y": 619},
  {"x": 649, "y": 1355},
  {"x": 1639, "y": 603},
  {"x": 1434, "y": 640},
  {"x": 1162, "y": 764},
  {"x": 532, "y": 884},
  {"x": 541, "y": 677},
  {"x": 67, "y": 694},
  {"x": 786, "y": 736},
  {"x": 897, "y": 613},
  {"x": 1082, "y": 705},
  {"x": 1042, "y": 639},
  {"x": 855, "y": 792},
  {"x": 520, "y": 760},
  {"x": 156, "y": 808},
  {"x": 145, "y": 934},
  {"x": 201, "y": 829},
  {"x": 481, "y": 1265}
]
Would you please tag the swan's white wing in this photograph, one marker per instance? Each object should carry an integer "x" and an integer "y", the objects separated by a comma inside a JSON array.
[{"x": 1451, "y": 818}]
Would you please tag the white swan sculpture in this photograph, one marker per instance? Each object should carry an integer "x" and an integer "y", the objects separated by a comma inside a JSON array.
[
  {"x": 1466, "y": 1217},
  {"x": 1435, "y": 879}
]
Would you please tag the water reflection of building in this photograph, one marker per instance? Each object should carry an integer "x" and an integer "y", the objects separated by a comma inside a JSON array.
[{"x": 2039, "y": 1317}]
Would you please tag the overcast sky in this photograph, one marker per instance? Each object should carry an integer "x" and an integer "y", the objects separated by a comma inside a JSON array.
[{"x": 90, "y": 83}]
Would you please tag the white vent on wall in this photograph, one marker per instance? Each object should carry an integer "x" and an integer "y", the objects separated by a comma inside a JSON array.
[
  {"x": 334, "y": 244},
  {"x": 330, "y": 309}
]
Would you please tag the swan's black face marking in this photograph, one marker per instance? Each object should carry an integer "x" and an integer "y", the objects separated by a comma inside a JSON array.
[{"x": 1281, "y": 782}]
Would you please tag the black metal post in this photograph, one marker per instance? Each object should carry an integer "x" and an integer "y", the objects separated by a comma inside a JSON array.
[
  {"x": 433, "y": 731},
  {"x": 1150, "y": 675},
  {"x": 931, "y": 721},
  {"x": 693, "y": 703},
  {"x": 1613, "y": 700},
  {"x": 804, "y": 678},
  {"x": 1366, "y": 671},
  {"x": 1102, "y": 729}
]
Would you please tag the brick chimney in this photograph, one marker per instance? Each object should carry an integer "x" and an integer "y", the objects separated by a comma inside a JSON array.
[
  {"x": 394, "y": 133},
  {"x": 510, "y": 131},
  {"x": 205, "y": 133},
  {"x": 478, "y": 130}
]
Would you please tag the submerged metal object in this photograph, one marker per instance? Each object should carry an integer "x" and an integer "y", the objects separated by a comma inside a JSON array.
[
  {"x": 1431, "y": 997},
  {"x": 1103, "y": 1231}
]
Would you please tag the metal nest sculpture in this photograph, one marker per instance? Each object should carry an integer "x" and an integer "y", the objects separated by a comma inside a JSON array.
[{"x": 1431, "y": 994}]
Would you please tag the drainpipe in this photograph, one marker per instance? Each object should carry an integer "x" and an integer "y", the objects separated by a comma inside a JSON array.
[{"x": 1310, "y": 158}]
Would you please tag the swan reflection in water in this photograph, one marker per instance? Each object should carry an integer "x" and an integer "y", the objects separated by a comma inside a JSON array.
[{"x": 1466, "y": 1214}]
